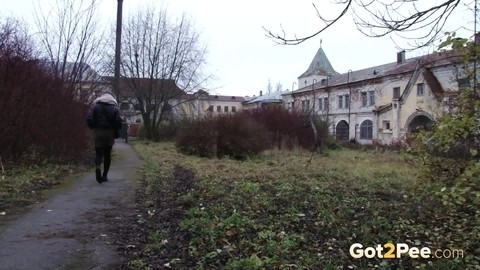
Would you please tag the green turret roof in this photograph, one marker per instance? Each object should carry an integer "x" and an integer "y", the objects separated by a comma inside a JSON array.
[{"x": 320, "y": 65}]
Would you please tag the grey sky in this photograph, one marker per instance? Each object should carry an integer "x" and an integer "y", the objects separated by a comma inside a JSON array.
[{"x": 242, "y": 58}]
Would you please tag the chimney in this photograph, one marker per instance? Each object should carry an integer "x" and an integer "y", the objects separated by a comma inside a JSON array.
[
  {"x": 261, "y": 93},
  {"x": 401, "y": 57}
]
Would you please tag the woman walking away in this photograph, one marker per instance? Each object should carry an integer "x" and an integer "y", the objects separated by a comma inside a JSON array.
[{"x": 104, "y": 119}]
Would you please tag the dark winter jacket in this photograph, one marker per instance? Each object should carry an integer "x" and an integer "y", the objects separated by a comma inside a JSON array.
[{"x": 104, "y": 116}]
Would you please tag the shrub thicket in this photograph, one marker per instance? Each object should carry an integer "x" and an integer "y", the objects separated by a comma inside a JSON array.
[
  {"x": 38, "y": 117},
  {"x": 287, "y": 129},
  {"x": 450, "y": 152},
  {"x": 238, "y": 136},
  {"x": 250, "y": 132},
  {"x": 166, "y": 131}
]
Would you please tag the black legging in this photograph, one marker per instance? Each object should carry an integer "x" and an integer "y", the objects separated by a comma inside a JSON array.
[{"x": 103, "y": 153}]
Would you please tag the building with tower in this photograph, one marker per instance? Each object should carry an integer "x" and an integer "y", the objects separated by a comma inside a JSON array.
[{"x": 380, "y": 104}]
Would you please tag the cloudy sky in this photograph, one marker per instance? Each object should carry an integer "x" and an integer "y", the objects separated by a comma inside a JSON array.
[{"x": 242, "y": 58}]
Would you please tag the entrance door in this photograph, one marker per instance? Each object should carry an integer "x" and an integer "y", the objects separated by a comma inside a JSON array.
[{"x": 342, "y": 131}]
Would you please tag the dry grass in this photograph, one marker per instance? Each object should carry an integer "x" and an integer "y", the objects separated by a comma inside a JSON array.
[{"x": 275, "y": 212}]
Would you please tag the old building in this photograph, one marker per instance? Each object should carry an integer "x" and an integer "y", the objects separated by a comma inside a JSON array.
[
  {"x": 156, "y": 97},
  {"x": 264, "y": 100},
  {"x": 201, "y": 104},
  {"x": 378, "y": 104}
]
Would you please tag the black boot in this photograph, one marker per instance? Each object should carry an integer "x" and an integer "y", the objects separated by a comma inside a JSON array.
[
  {"x": 98, "y": 174},
  {"x": 104, "y": 178}
]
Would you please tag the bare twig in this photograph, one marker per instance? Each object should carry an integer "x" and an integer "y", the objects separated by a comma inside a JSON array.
[{"x": 383, "y": 17}]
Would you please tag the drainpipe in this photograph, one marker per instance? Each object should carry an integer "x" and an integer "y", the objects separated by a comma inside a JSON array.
[
  {"x": 349, "y": 101},
  {"x": 313, "y": 91},
  {"x": 328, "y": 101},
  {"x": 293, "y": 99},
  {"x": 355, "y": 133}
]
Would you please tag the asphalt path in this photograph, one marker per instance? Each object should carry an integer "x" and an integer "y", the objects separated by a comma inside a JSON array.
[{"x": 68, "y": 230}]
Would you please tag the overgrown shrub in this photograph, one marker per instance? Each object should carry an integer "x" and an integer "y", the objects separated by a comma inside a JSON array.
[
  {"x": 291, "y": 129},
  {"x": 165, "y": 132},
  {"x": 250, "y": 132},
  {"x": 450, "y": 152},
  {"x": 237, "y": 136},
  {"x": 196, "y": 137},
  {"x": 39, "y": 118},
  {"x": 240, "y": 136}
]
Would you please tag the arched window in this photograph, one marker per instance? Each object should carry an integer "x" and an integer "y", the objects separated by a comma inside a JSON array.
[
  {"x": 341, "y": 131},
  {"x": 366, "y": 130}
]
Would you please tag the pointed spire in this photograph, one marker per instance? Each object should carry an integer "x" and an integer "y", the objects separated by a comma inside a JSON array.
[{"x": 320, "y": 65}]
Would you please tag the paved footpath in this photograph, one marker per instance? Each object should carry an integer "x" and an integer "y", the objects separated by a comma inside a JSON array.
[{"x": 67, "y": 230}]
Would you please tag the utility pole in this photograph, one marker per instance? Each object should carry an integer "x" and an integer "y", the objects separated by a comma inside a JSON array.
[{"x": 118, "y": 44}]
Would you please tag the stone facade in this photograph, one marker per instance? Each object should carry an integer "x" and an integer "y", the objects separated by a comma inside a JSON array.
[{"x": 380, "y": 104}]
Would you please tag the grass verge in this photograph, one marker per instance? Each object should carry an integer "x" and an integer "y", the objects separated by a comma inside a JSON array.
[
  {"x": 23, "y": 185},
  {"x": 273, "y": 212}
]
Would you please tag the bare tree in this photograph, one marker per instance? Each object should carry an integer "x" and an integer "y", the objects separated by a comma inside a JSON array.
[
  {"x": 162, "y": 62},
  {"x": 279, "y": 87},
  {"x": 421, "y": 18},
  {"x": 269, "y": 86},
  {"x": 71, "y": 39}
]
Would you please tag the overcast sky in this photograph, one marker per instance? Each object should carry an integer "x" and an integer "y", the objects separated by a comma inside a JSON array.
[{"x": 240, "y": 55}]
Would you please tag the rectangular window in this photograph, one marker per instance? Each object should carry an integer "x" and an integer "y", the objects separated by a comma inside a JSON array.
[
  {"x": 320, "y": 104},
  {"x": 371, "y": 97},
  {"x": 386, "y": 124},
  {"x": 225, "y": 109},
  {"x": 420, "y": 89},
  {"x": 325, "y": 104},
  {"x": 340, "y": 102},
  {"x": 396, "y": 92},
  {"x": 305, "y": 105},
  {"x": 125, "y": 106},
  {"x": 364, "y": 99},
  {"x": 234, "y": 109},
  {"x": 463, "y": 82},
  {"x": 347, "y": 101},
  {"x": 210, "y": 108},
  {"x": 219, "y": 108}
]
